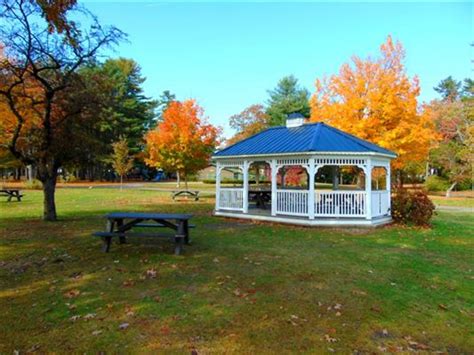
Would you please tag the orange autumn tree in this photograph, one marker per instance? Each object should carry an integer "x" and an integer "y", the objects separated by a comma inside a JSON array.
[
  {"x": 374, "y": 99},
  {"x": 184, "y": 141}
]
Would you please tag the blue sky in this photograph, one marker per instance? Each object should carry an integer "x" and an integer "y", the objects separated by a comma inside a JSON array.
[{"x": 228, "y": 54}]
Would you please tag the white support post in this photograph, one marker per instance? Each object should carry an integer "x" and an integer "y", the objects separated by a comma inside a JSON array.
[
  {"x": 311, "y": 172},
  {"x": 218, "y": 185},
  {"x": 335, "y": 177},
  {"x": 274, "y": 173},
  {"x": 388, "y": 187},
  {"x": 368, "y": 189},
  {"x": 246, "y": 186}
]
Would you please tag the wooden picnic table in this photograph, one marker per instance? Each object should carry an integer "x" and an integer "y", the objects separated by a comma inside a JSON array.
[
  {"x": 261, "y": 197},
  {"x": 119, "y": 224},
  {"x": 11, "y": 193},
  {"x": 193, "y": 194}
]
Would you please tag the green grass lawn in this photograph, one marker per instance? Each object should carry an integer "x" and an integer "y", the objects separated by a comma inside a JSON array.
[
  {"x": 453, "y": 201},
  {"x": 241, "y": 287}
]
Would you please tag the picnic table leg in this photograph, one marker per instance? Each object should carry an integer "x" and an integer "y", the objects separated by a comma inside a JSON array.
[
  {"x": 122, "y": 240},
  {"x": 186, "y": 233},
  {"x": 10, "y": 195},
  {"x": 18, "y": 196},
  {"x": 108, "y": 240},
  {"x": 178, "y": 239}
]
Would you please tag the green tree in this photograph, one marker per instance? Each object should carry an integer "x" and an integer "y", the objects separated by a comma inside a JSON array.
[
  {"x": 454, "y": 118},
  {"x": 163, "y": 102},
  {"x": 248, "y": 122},
  {"x": 449, "y": 89},
  {"x": 129, "y": 113},
  {"x": 122, "y": 161},
  {"x": 288, "y": 97}
]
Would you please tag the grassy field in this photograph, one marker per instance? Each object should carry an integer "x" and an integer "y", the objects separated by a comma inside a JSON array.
[
  {"x": 241, "y": 287},
  {"x": 453, "y": 201}
]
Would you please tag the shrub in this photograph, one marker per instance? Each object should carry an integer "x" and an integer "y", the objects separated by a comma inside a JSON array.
[
  {"x": 436, "y": 183},
  {"x": 465, "y": 185},
  {"x": 33, "y": 184},
  {"x": 67, "y": 178},
  {"x": 209, "y": 181},
  {"x": 412, "y": 207}
]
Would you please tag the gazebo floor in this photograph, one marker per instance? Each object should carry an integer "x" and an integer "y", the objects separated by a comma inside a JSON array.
[{"x": 259, "y": 214}]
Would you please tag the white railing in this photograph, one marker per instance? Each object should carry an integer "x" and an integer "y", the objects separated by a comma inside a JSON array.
[
  {"x": 292, "y": 202},
  {"x": 231, "y": 199},
  {"x": 380, "y": 203},
  {"x": 339, "y": 203}
]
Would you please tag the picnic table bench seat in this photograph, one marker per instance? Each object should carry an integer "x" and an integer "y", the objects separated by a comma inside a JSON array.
[{"x": 156, "y": 225}]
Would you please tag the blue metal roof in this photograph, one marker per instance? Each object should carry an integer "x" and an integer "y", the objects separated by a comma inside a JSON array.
[{"x": 311, "y": 137}]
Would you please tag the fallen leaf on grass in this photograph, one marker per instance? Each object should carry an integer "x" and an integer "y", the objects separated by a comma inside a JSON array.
[
  {"x": 443, "y": 307},
  {"x": 96, "y": 332},
  {"x": 329, "y": 339},
  {"x": 165, "y": 330},
  {"x": 376, "y": 308},
  {"x": 123, "y": 326},
  {"x": 74, "y": 318},
  {"x": 151, "y": 273},
  {"x": 89, "y": 316},
  {"x": 359, "y": 293},
  {"x": 72, "y": 293},
  {"x": 128, "y": 283}
]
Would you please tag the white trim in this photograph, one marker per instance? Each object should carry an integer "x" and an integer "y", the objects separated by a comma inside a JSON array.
[
  {"x": 315, "y": 154},
  {"x": 246, "y": 186},
  {"x": 334, "y": 222},
  {"x": 368, "y": 189},
  {"x": 312, "y": 173},
  {"x": 274, "y": 173}
]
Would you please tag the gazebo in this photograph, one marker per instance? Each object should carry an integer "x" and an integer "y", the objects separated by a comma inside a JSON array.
[{"x": 340, "y": 179}]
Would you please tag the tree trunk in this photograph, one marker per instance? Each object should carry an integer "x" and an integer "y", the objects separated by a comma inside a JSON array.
[
  {"x": 448, "y": 192},
  {"x": 400, "y": 179},
  {"x": 49, "y": 204},
  {"x": 186, "y": 181},
  {"x": 178, "y": 182},
  {"x": 121, "y": 182}
]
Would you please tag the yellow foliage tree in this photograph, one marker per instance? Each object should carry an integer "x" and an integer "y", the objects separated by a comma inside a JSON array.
[{"x": 374, "y": 99}]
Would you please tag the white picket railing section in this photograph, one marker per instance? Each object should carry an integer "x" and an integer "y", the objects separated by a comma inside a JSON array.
[
  {"x": 380, "y": 203},
  {"x": 339, "y": 203},
  {"x": 292, "y": 202},
  {"x": 231, "y": 199}
]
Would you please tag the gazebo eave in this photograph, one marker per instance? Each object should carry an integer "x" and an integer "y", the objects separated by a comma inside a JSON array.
[{"x": 305, "y": 154}]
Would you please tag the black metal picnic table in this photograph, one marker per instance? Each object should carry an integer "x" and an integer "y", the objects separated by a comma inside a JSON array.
[
  {"x": 261, "y": 197},
  {"x": 119, "y": 224},
  {"x": 11, "y": 193},
  {"x": 178, "y": 193}
]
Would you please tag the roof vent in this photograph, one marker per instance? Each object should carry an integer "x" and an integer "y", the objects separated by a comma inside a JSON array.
[{"x": 295, "y": 119}]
